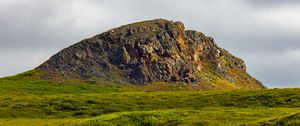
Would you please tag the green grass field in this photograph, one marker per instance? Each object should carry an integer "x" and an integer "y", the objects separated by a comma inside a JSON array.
[{"x": 26, "y": 101}]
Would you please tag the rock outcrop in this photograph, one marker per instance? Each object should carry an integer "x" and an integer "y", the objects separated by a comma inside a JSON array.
[{"x": 147, "y": 52}]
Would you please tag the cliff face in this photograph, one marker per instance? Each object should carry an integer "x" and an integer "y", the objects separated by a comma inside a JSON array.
[{"x": 150, "y": 51}]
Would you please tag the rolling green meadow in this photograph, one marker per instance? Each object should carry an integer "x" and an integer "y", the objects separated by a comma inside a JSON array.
[{"x": 28, "y": 101}]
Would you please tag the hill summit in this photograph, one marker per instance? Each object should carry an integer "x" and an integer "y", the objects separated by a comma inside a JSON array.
[{"x": 146, "y": 52}]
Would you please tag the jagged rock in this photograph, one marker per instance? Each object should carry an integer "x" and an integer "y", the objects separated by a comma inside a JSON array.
[{"x": 149, "y": 51}]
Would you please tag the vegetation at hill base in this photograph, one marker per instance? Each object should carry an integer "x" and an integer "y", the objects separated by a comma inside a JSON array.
[{"x": 25, "y": 100}]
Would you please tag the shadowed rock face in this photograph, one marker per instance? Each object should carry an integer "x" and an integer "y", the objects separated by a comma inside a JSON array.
[{"x": 149, "y": 51}]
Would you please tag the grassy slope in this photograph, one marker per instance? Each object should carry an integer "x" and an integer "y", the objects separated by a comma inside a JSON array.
[
  {"x": 24, "y": 100},
  {"x": 216, "y": 116}
]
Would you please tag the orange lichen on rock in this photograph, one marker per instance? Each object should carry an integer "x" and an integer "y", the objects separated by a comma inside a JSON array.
[
  {"x": 196, "y": 57},
  {"x": 181, "y": 42},
  {"x": 153, "y": 58}
]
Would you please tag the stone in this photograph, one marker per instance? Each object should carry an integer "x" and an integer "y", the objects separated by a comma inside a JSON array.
[{"x": 145, "y": 52}]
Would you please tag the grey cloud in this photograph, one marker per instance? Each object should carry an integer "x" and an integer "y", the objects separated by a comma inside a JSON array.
[
  {"x": 21, "y": 60},
  {"x": 266, "y": 3},
  {"x": 276, "y": 70}
]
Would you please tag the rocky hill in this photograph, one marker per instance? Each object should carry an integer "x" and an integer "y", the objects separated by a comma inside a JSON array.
[{"x": 146, "y": 52}]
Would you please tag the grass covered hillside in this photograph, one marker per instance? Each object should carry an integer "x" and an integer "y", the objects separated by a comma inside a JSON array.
[
  {"x": 149, "y": 73},
  {"x": 27, "y": 101}
]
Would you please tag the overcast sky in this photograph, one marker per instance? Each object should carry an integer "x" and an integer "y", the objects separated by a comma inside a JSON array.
[{"x": 265, "y": 33}]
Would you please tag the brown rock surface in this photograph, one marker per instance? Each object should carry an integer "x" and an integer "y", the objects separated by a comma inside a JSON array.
[{"x": 146, "y": 52}]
